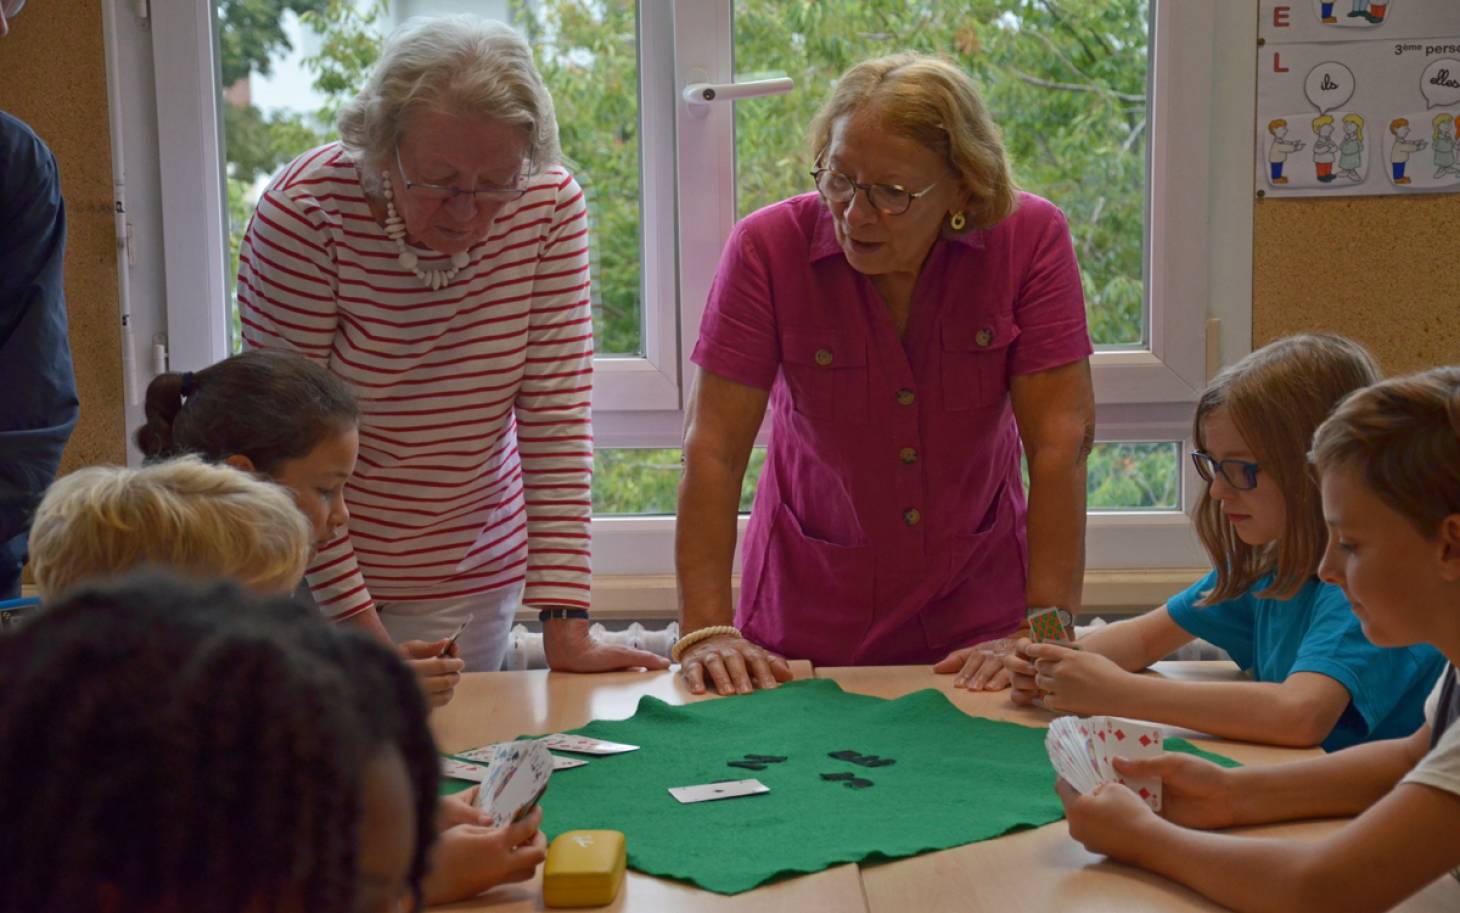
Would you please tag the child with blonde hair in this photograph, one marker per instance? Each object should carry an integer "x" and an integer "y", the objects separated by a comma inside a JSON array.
[
  {"x": 1316, "y": 678},
  {"x": 186, "y": 515},
  {"x": 1388, "y": 462}
]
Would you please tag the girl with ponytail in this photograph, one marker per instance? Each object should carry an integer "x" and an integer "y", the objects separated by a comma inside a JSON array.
[{"x": 283, "y": 417}]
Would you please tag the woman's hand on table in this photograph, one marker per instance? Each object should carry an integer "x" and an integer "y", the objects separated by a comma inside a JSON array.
[
  {"x": 979, "y": 667},
  {"x": 437, "y": 674},
  {"x": 734, "y": 665},
  {"x": 1111, "y": 820},
  {"x": 1077, "y": 681},
  {"x": 569, "y": 647},
  {"x": 469, "y": 859}
]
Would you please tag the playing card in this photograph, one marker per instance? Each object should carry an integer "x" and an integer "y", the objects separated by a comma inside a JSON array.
[
  {"x": 561, "y": 763},
  {"x": 487, "y": 752},
  {"x": 1136, "y": 741},
  {"x": 1046, "y": 625},
  {"x": 581, "y": 744},
  {"x": 708, "y": 792},
  {"x": 516, "y": 778},
  {"x": 460, "y": 770},
  {"x": 1080, "y": 750},
  {"x": 1070, "y": 753},
  {"x": 455, "y": 634},
  {"x": 1101, "y": 742}
]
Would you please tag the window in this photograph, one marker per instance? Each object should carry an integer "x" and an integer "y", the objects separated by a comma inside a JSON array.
[
  {"x": 1108, "y": 108},
  {"x": 1122, "y": 477}
]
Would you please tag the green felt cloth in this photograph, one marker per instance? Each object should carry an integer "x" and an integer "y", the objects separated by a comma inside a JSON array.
[{"x": 957, "y": 779}]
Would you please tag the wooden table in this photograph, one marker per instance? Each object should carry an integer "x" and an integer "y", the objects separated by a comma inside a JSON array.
[
  {"x": 1043, "y": 869},
  {"x": 1035, "y": 870},
  {"x": 494, "y": 706}
]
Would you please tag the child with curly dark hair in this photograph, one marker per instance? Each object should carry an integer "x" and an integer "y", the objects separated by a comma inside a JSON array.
[{"x": 169, "y": 746}]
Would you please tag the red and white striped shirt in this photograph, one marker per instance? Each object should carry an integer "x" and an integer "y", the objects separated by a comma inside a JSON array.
[{"x": 476, "y": 446}]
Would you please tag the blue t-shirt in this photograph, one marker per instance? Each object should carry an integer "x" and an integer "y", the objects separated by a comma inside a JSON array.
[{"x": 1315, "y": 631}]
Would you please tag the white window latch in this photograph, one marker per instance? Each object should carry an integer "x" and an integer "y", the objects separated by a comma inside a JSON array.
[{"x": 700, "y": 95}]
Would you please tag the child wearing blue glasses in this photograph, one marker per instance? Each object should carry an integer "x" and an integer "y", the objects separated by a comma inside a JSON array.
[{"x": 1315, "y": 678}]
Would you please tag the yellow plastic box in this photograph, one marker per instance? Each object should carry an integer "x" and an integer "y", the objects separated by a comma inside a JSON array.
[{"x": 584, "y": 869}]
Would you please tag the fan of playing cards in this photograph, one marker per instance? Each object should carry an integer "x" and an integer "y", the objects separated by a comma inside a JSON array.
[{"x": 1081, "y": 751}]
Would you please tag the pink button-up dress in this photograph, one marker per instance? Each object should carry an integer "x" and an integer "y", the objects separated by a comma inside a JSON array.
[{"x": 889, "y": 522}]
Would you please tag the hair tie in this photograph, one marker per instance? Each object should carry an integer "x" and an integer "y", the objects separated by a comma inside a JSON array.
[{"x": 189, "y": 384}]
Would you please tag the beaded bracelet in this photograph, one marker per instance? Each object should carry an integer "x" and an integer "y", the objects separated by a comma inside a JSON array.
[
  {"x": 545, "y": 614},
  {"x": 694, "y": 637}
]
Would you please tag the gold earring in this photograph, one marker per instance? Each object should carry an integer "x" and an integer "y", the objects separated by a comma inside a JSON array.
[{"x": 957, "y": 221}]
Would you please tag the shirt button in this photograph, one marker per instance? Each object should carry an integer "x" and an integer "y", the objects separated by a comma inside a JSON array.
[
  {"x": 984, "y": 337},
  {"x": 823, "y": 357},
  {"x": 905, "y": 397},
  {"x": 911, "y": 516},
  {"x": 908, "y": 455}
]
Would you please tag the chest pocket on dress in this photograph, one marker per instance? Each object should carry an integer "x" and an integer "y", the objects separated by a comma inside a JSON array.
[
  {"x": 975, "y": 371},
  {"x": 826, "y": 371}
]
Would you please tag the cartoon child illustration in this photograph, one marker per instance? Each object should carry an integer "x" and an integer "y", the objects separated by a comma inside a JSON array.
[
  {"x": 1281, "y": 148},
  {"x": 1404, "y": 147},
  {"x": 1444, "y": 145},
  {"x": 1326, "y": 13},
  {"x": 1325, "y": 150},
  {"x": 1363, "y": 9},
  {"x": 1351, "y": 149}
]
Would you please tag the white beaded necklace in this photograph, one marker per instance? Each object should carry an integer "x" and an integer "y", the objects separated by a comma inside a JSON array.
[{"x": 395, "y": 229}]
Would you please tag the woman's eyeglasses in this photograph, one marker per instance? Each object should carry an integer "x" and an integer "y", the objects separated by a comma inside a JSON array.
[
  {"x": 1240, "y": 474},
  {"x": 885, "y": 198},
  {"x": 483, "y": 195}
]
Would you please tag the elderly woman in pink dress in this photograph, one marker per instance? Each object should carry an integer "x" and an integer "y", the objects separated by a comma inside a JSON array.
[{"x": 914, "y": 326}]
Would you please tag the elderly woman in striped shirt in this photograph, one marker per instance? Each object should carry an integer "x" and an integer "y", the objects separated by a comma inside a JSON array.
[{"x": 436, "y": 259}]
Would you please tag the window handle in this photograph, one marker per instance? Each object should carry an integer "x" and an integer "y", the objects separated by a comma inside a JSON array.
[{"x": 700, "y": 95}]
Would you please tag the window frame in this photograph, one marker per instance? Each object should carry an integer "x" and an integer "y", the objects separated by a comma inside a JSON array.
[{"x": 1198, "y": 141}]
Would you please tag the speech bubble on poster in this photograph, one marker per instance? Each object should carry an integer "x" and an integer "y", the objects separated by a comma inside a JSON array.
[
  {"x": 1329, "y": 85},
  {"x": 1440, "y": 83}
]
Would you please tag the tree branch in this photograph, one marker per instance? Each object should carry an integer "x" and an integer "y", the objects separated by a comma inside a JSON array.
[{"x": 1076, "y": 87}]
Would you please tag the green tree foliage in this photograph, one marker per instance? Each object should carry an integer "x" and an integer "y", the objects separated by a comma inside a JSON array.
[
  {"x": 350, "y": 42},
  {"x": 251, "y": 34},
  {"x": 1121, "y": 477},
  {"x": 259, "y": 143},
  {"x": 587, "y": 51}
]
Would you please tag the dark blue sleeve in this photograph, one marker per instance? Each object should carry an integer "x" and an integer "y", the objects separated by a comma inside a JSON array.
[
  {"x": 1228, "y": 625},
  {"x": 38, "y": 407}
]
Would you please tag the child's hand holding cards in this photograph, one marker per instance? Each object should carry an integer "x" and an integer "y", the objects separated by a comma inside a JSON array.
[{"x": 1081, "y": 751}]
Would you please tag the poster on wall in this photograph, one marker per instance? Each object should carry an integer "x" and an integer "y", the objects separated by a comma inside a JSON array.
[
  {"x": 1376, "y": 116},
  {"x": 1294, "y": 21}
]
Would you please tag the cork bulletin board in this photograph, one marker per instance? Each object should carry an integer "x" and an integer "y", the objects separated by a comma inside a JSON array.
[
  {"x": 1383, "y": 270},
  {"x": 53, "y": 77}
]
